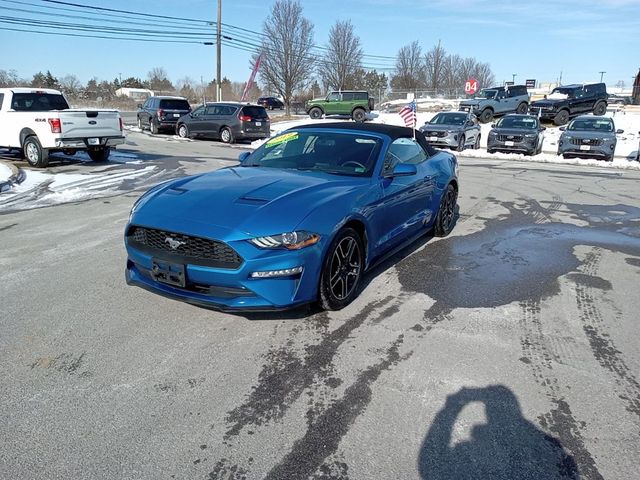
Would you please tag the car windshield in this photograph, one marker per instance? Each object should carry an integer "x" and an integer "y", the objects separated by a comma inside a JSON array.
[
  {"x": 597, "y": 124},
  {"x": 449, "y": 119},
  {"x": 38, "y": 102},
  {"x": 350, "y": 154},
  {"x": 487, "y": 94},
  {"x": 524, "y": 123}
]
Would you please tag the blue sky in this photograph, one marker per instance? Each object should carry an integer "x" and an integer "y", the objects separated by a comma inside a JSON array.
[{"x": 531, "y": 39}]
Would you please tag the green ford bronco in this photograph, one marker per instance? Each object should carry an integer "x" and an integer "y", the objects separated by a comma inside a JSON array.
[{"x": 355, "y": 104}]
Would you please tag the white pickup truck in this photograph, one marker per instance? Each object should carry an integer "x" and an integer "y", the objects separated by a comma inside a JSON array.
[{"x": 39, "y": 121}]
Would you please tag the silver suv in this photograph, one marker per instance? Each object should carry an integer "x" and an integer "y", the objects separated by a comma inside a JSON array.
[
  {"x": 455, "y": 130},
  {"x": 589, "y": 136},
  {"x": 497, "y": 101}
]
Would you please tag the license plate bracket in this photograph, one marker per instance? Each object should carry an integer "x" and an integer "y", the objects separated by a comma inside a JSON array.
[
  {"x": 93, "y": 141},
  {"x": 169, "y": 273},
  {"x": 509, "y": 143},
  {"x": 433, "y": 139},
  {"x": 585, "y": 147}
]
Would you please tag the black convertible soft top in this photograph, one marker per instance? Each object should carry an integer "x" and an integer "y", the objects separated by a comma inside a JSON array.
[{"x": 392, "y": 131}]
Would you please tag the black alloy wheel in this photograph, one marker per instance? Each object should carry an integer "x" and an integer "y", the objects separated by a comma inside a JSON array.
[
  {"x": 447, "y": 212},
  {"x": 600, "y": 108},
  {"x": 561, "y": 117},
  {"x": 522, "y": 108},
  {"x": 315, "y": 113},
  {"x": 342, "y": 270},
  {"x": 486, "y": 116}
]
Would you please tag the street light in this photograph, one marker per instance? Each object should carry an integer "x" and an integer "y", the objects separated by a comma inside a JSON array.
[
  {"x": 513, "y": 78},
  {"x": 601, "y": 75}
]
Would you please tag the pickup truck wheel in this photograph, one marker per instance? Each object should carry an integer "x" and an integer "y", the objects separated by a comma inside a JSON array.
[
  {"x": 315, "y": 113},
  {"x": 522, "y": 108},
  {"x": 226, "y": 135},
  {"x": 99, "y": 154},
  {"x": 359, "y": 115},
  {"x": 153, "y": 127},
  {"x": 561, "y": 117},
  {"x": 34, "y": 153},
  {"x": 486, "y": 116},
  {"x": 600, "y": 108}
]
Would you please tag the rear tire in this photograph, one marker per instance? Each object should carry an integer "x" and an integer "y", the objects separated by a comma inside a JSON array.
[
  {"x": 486, "y": 115},
  {"x": 446, "y": 213},
  {"x": 522, "y": 108},
  {"x": 561, "y": 118},
  {"x": 342, "y": 270},
  {"x": 153, "y": 127},
  {"x": 315, "y": 113},
  {"x": 226, "y": 135},
  {"x": 35, "y": 155},
  {"x": 359, "y": 115},
  {"x": 600, "y": 108},
  {"x": 99, "y": 154}
]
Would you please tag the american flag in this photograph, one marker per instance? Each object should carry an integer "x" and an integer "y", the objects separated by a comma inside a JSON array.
[{"x": 408, "y": 114}]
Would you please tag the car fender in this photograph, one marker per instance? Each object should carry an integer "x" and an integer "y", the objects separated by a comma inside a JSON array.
[{"x": 24, "y": 133}]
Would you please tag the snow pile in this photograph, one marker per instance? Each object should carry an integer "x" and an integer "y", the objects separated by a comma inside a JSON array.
[{"x": 5, "y": 172}]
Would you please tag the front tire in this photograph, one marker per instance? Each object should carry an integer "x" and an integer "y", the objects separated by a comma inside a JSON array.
[
  {"x": 35, "y": 155},
  {"x": 561, "y": 118},
  {"x": 315, "y": 113},
  {"x": 486, "y": 115},
  {"x": 342, "y": 270},
  {"x": 461, "y": 142},
  {"x": 476, "y": 146},
  {"x": 446, "y": 213},
  {"x": 183, "y": 131},
  {"x": 226, "y": 135},
  {"x": 99, "y": 154}
]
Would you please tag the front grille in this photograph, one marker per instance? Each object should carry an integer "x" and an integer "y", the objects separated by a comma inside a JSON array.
[
  {"x": 436, "y": 134},
  {"x": 586, "y": 141},
  {"x": 509, "y": 138},
  {"x": 184, "y": 248}
]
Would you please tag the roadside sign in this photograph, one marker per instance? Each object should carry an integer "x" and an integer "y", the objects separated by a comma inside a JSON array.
[
  {"x": 471, "y": 86},
  {"x": 530, "y": 83},
  {"x": 508, "y": 84}
]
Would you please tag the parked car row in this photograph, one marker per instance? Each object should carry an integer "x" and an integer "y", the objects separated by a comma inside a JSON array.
[
  {"x": 586, "y": 136},
  {"x": 226, "y": 121}
]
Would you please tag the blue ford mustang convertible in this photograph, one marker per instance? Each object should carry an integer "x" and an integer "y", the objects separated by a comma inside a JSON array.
[{"x": 299, "y": 220}]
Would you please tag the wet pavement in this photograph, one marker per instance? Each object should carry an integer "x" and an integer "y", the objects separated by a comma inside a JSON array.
[{"x": 509, "y": 349}]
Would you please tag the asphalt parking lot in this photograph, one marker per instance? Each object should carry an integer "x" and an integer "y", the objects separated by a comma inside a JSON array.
[{"x": 509, "y": 349}]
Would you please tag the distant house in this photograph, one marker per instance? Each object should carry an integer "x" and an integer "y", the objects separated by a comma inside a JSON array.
[{"x": 140, "y": 94}]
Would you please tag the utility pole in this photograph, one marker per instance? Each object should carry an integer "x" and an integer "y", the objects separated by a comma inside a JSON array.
[
  {"x": 219, "y": 52},
  {"x": 513, "y": 78},
  {"x": 601, "y": 75}
]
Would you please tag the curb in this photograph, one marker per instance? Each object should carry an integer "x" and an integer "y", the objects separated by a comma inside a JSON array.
[{"x": 17, "y": 176}]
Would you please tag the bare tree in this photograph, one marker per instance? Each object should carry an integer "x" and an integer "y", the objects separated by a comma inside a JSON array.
[
  {"x": 409, "y": 68},
  {"x": 10, "y": 79},
  {"x": 287, "y": 63},
  {"x": 343, "y": 56},
  {"x": 434, "y": 62},
  {"x": 158, "y": 80},
  {"x": 70, "y": 85}
]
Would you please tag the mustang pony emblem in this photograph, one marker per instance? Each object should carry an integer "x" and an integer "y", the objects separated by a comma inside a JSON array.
[{"x": 173, "y": 243}]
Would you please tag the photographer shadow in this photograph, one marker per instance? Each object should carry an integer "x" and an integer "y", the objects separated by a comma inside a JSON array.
[{"x": 506, "y": 447}]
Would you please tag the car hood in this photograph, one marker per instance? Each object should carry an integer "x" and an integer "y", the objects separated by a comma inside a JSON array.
[
  {"x": 589, "y": 134},
  {"x": 513, "y": 131},
  {"x": 237, "y": 202},
  {"x": 546, "y": 103},
  {"x": 471, "y": 101},
  {"x": 428, "y": 127}
]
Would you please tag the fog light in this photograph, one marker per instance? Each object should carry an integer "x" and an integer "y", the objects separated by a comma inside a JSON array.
[
  {"x": 285, "y": 272},
  {"x": 612, "y": 147}
]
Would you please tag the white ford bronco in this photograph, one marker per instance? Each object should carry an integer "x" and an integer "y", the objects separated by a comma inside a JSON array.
[{"x": 39, "y": 121}]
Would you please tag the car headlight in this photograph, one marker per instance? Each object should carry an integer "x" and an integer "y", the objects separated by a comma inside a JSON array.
[
  {"x": 530, "y": 136},
  {"x": 289, "y": 240}
]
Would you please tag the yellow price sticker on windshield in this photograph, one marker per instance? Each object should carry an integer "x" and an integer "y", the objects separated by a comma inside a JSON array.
[{"x": 285, "y": 137}]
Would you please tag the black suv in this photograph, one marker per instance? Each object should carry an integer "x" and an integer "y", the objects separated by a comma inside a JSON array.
[
  {"x": 270, "y": 103},
  {"x": 227, "y": 121},
  {"x": 569, "y": 101},
  {"x": 159, "y": 113}
]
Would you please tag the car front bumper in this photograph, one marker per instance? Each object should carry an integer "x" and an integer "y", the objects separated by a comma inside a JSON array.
[
  {"x": 236, "y": 290},
  {"x": 517, "y": 147},
  {"x": 450, "y": 140},
  {"x": 599, "y": 151}
]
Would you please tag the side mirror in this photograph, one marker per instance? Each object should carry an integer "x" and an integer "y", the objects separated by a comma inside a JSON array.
[
  {"x": 619, "y": 131},
  {"x": 562, "y": 129},
  {"x": 243, "y": 156},
  {"x": 542, "y": 129},
  {"x": 139, "y": 105},
  {"x": 403, "y": 170}
]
